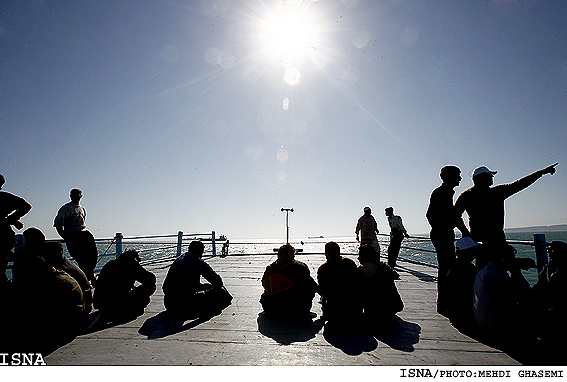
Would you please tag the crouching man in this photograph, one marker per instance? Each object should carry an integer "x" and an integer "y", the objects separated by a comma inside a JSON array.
[
  {"x": 184, "y": 295},
  {"x": 116, "y": 295}
]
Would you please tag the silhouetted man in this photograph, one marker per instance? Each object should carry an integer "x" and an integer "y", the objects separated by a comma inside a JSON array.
[
  {"x": 288, "y": 286},
  {"x": 484, "y": 203},
  {"x": 338, "y": 286},
  {"x": 367, "y": 229},
  {"x": 123, "y": 288},
  {"x": 12, "y": 208},
  {"x": 184, "y": 295},
  {"x": 70, "y": 224},
  {"x": 397, "y": 234},
  {"x": 443, "y": 219}
]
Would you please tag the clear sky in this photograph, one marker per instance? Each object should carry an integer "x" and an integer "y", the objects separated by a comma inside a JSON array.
[{"x": 215, "y": 114}]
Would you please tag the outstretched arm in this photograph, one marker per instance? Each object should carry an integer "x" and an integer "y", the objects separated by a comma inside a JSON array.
[{"x": 528, "y": 180}]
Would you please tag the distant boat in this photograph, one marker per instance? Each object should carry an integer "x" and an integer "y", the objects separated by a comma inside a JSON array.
[{"x": 316, "y": 237}]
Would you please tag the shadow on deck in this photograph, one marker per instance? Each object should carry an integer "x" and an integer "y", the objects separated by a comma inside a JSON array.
[{"x": 243, "y": 336}]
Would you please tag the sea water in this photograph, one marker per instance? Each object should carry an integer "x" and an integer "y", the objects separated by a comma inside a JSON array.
[{"x": 417, "y": 248}]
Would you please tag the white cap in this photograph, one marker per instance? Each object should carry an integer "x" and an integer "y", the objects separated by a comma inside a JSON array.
[
  {"x": 466, "y": 243},
  {"x": 482, "y": 170}
]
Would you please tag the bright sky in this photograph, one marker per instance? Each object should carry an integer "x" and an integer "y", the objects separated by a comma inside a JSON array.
[{"x": 213, "y": 115}]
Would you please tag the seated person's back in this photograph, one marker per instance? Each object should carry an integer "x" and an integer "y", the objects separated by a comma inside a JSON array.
[
  {"x": 379, "y": 294},
  {"x": 288, "y": 286},
  {"x": 338, "y": 285}
]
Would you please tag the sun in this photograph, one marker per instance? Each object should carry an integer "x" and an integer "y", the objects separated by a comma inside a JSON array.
[{"x": 288, "y": 32}]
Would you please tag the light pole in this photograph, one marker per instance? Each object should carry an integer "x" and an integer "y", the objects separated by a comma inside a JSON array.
[{"x": 287, "y": 211}]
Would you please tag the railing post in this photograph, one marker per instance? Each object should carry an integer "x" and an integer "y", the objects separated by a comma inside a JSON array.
[
  {"x": 540, "y": 250},
  {"x": 118, "y": 239},
  {"x": 179, "y": 242},
  {"x": 213, "y": 241}
]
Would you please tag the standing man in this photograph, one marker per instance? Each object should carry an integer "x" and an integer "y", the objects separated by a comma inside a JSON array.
[
  {"x": 12, "y": 208},
  {"x": 366, "y": 230},
  {"x": 397, "y": 234},
  {"x": 443, "y": 219},
  {"x": 485, "y": 204},
  {"x": 70, "y": 224}
]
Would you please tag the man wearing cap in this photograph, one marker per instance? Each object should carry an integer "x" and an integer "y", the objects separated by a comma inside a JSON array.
[
  {"x": 366, "y": 229},
  {"x": 484, "y": 203}
]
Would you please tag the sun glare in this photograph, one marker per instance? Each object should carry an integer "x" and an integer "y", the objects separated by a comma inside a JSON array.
[{"x": 288, "y": 32}]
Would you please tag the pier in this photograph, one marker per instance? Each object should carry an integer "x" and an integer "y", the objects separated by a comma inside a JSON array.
[{"x": 242, "y": 336}]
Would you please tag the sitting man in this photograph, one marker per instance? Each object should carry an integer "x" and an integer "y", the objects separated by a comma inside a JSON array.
[
  {"x": 184, "y": 295},
  {"x": 459, "y": 282},
  {"x": 549, "y": 294},
  {"x": 53, "y": 307},
  {"x": 116, "y": 296},
  {"x": 53, "y": 254},
  {"x": 380, "y": 298},
  {"x": 288, "y": 287},
  {"x": 500, "y": 289},
  {"x": 337, "y": 279}
]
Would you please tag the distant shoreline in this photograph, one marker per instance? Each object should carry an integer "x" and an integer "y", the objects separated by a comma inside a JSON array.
[{"x": 543, "y": 228}]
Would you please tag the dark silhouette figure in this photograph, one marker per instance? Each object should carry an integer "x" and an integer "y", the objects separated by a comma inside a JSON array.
[
  {"x": 380, "y": 298},
  {"x": 549, "y": 296},
  {"x": 51, "y": 304},
  {"x": 12, "y": 209},
  {"x": 116, "y": 295},
  {"x": 338, "y": 286},
  {"x": 53, "y": 254},
  {"x": 70, "y": 224},
  {"x": 24, "y": 258},
  {"x": 459, "y": 283},
  {"x": 443, "y": 218},
  {"x": 367, "y": 229},
  {"x": 184, "y": 295},
  {"x": 397, "y": 234},
  {"x": 484, "y": 203},
  {"x": 500, "y": 290},
  {"x": 288, "y": 287}
]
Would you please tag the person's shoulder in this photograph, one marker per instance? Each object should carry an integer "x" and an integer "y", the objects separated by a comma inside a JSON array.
[
  {"x": 301, "y": 264},
  {"x": 348, "y": 261}
]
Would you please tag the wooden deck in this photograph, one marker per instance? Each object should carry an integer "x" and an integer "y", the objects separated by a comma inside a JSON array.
[{"x": 242, "y": 336}]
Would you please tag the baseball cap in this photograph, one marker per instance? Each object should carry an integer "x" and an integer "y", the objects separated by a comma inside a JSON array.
[{"x": 482, "y": 170}]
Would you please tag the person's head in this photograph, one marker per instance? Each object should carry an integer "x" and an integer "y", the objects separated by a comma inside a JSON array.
[
  {"x": 76, "y": 195},
  {"x": 129, "y": 255},
  {"x": 451, "y": 175},
  {"x": 53, "y": 252},
  {"x": 332, "y": 251},
  {"x": 196, "y": 247},
  {"x": 367, "y": 254},
  {"x": 33, "y": 237},
  {"x": 501, "y": 254},
  {"x": 367, "y": 210},
  {"x": 467, "y": 249},
  {"x": 389, "y": 211},
  {"x": 2, "y": 181},
  {"x": 483, "y": 177},
  {"x": 286, "y": 253},
  {"x": 557, "y": 251}
]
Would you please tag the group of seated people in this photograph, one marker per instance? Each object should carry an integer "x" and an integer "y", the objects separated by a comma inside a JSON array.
[
  {"x": 487, "y": 290},
  {"x": 51, "y": 297},
  {"x": 348, "y": 293}
]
